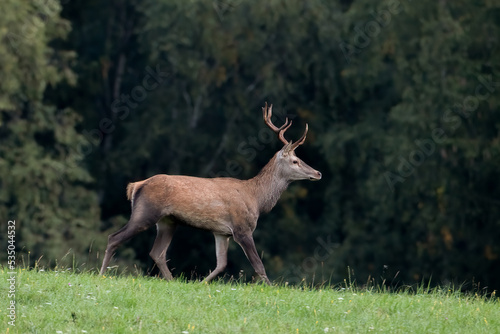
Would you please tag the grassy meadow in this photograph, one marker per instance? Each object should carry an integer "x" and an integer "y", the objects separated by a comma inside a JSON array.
[{"x": 66, "y": 302}]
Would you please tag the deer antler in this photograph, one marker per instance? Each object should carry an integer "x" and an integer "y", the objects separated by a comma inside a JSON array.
[
  {"x": 301, "y": 140},
  {"x": 268, "y": 112}
]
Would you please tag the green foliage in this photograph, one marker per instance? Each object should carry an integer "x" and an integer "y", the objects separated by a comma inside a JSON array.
[
  {"x": 41, "y": 188},
  {"x": 417, "y": 168},
  {"x": 64, "y": 301}
]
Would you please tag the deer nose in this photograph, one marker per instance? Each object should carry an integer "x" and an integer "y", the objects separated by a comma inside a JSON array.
[{"x": 317, "y": 177}]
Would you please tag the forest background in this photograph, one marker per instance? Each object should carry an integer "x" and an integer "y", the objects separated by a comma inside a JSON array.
[{"x": 401, "y": 98}]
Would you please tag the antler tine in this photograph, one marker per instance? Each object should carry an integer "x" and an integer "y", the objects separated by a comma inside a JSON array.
[
  {"x": 301, "y": 140},
  {"x": 282, "y": 131},
  {"x": 267, "y": 113}
]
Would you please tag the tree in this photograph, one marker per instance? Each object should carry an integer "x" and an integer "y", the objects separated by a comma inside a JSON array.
[
  {"x": 44, "y": 189},
  {"x": 417, "y": 157}
]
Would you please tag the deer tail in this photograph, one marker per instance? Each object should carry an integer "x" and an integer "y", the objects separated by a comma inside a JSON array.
[{"x": 132, "y": 190}]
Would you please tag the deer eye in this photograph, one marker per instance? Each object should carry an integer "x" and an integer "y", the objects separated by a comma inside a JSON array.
[{"x": 295, "y": 161}]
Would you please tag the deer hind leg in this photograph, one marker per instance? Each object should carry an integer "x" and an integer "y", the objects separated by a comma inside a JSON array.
[
  {"x": 166, "y": 230},
  {"x": 221, "y": 244},
  {"x": 138, "y": 222}
]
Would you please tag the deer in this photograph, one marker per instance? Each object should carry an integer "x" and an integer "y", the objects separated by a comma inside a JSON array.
[{"x": 227, "y": 207}]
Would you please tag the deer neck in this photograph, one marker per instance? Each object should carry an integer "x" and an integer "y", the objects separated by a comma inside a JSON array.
[{"x": 268, "y": 186}]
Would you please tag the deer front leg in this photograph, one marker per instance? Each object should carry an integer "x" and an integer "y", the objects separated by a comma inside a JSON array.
[
  {"x": 246, "y": 242},
  {"x": 221, "y": 244}
]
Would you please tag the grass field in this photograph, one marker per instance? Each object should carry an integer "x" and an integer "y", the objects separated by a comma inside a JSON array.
[{"x": 67, "y": 302}]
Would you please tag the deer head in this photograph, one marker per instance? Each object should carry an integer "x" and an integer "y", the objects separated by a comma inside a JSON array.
[{"x": 291, "y": 167}]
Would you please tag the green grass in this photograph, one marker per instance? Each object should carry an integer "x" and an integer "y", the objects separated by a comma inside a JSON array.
[{"x": 66, "y": 302}]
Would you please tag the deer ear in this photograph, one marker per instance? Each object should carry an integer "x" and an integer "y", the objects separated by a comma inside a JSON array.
[{"x": 286, "y": 149}]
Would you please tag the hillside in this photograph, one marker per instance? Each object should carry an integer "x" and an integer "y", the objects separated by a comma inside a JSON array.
[{"x": 67, "y": 302}]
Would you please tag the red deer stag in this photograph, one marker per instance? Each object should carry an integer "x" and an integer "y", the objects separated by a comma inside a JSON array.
[{"x": 225, "y": 206}]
